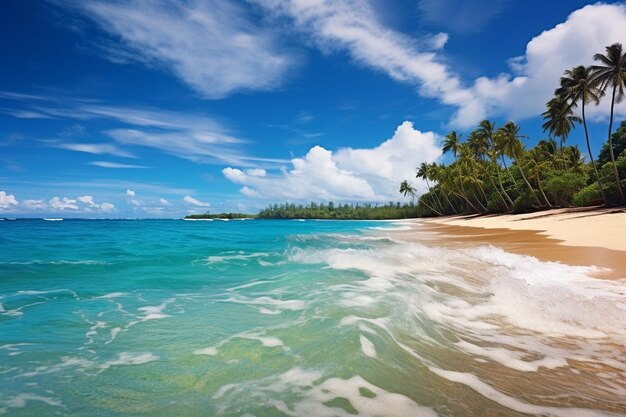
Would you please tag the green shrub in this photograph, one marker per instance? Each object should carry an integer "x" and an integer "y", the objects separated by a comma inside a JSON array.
[
  {"x": 562, "y": 186},
  {"x": 588, "y": 196}
]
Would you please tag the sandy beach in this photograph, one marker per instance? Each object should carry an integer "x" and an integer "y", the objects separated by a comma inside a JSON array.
[{"x": 572, "y": 236}]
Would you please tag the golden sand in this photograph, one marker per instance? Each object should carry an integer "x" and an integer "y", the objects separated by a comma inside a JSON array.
[{"x": 572, "y": 236}]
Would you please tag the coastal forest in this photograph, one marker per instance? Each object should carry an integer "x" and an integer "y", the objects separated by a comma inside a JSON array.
[{"x": 493, "y": 171}]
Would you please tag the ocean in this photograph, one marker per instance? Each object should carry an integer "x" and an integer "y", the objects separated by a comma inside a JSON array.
[{"x": 296, "y": 318}]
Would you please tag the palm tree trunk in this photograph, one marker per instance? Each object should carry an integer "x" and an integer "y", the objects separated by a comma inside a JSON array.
[
  {"x": 495, "y": 187},
  {"x": 501, "y": 186},
  {"x": 595, "y": 168},
  {"x": 508, "y": 170},
  {"x": 435, "y": 198},
  {"x": 615, "y": 171},
  {"x": 530, "y": 187},
  {"x": 545, "y": 197},
  {"x": 429, "y": 206}
]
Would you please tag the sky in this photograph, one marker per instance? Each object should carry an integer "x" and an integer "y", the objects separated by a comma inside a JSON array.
[{"x": 146, "y": 108}]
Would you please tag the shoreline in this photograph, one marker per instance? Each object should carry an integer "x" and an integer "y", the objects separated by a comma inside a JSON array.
[{"x": 578, "y": 237}]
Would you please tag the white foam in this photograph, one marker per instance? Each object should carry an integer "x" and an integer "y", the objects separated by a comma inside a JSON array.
[
  {"x": 367, "y": 347},
  {"x": 126, "y": 358},
  {"x": 112, "y": 295},
  {"x": 210, "y": 351},
  {"x": 20, "y": 400},
  {"x": 515, "y": 404}
]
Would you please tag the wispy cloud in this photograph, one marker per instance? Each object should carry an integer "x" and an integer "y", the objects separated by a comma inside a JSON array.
[
  {"x": 353, "y": 26},
  {"x": 196, "y": 137},
  {"x": 115, "y": 165},
  {"x": 94, "y": 148},
  {"x": 213, "y": 45},
  {"x": 195, "y": 202}
]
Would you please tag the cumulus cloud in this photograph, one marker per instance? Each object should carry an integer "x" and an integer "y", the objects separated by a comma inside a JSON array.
[
  {"x": 34, "y": 204},
  {"x": 87, "y": 199},
  {"x": 347, "y": 174},
  {"x": 130, "y": 198},
  {"x": 210, "y": 45},
  {"x": 164, "y": 202},
  {"x": 62, "y": 204},
  {"x": 107, "y": 207},
  {"x": 585, "y": 32},
  {"x": 190, "y": 200},
  {"x": 353, "y": 27},
  {"x": 7, "y": 200}
]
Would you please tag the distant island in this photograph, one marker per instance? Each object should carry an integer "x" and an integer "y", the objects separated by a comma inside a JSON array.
[
  {"x": 228, "y": 216},
  {"x": 324, "y": 211}
]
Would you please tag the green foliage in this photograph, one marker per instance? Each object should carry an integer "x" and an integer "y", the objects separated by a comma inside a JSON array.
[
  {"x": 525, "y": 202},
  {"x": 588, "y": 196},
  {"x": 619, "y": 145},
  {"x": 561, "y": 186},
  {"x": 332, "y": 211}
]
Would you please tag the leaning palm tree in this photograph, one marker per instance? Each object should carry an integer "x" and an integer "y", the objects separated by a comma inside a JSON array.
[
  {"x": 559, "y": 118},
  {"x": 486, "y": 133},
  {"x": 424, "y": 171},
  {"x": 515, "y": 149},
  {"x": 577, "y": 86},
  {"x": 612, "y": 74},
  {"x": 451, "y": 143}
]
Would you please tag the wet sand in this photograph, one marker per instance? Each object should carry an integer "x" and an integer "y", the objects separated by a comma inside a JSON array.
[{"x": 537, "y": 235}]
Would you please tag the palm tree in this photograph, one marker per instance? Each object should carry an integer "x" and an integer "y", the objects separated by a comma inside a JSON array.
[
  {"x": 537, "y": 164},
  {"x": 451, "y": 143},
  {"x": 407, "y": 189},
  {"x": 515, "y": 148},
  {"x": 576, "y": 85},
  {"x": 423, "y": 171},
  {"x": 559, "y": 118},
  {"x": 486, "y": 132},
  {"x": 612, "y": 74}
]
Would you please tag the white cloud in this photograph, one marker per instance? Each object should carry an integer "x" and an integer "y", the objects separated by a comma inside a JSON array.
[
  {"x": 586, "y": 31},
  {"x": 130, "y": 198},
  {"x": 164, "y": 202},
  {"x": 190, "y": 200},
  {"x": 210, "y": 45},
  {"x": 353, "y": 26},
  {"x": 87, "y": 199},
  {"x": 131, "y": 193},
  {"x": 115, "y": 165},
  {"x": 7, "y": 200},
  {"x": 63, "y": 204},
  {"x": 256, "y": 172},
  {"x": 348, "y": 174},
  {"x": 107, "y": 207},
  {"x": 95, "y": 148},
  {"x": 34, "y": 204}
]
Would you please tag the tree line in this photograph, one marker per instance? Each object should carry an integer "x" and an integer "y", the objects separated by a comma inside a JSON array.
[{"x": 493, "y": 171}]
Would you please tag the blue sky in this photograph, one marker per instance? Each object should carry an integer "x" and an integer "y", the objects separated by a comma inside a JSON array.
[{"x": 159, "y": 109}]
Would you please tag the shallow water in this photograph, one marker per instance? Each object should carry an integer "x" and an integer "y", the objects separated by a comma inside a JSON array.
[{"x": 283, "y": 318}]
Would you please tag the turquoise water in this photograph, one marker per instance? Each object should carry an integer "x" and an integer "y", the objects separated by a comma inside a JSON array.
[{"x": 289, "y": 318}]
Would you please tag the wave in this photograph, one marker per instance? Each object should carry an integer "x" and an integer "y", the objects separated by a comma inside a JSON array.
[{"x": 53, "y": 220}]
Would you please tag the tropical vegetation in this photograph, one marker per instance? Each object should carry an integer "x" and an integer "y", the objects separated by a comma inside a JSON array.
[{"x": 493, "y": 171}]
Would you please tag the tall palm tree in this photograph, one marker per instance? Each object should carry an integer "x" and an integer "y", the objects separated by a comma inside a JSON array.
[
  {"x": 486, "y": 132},
  {"x": 515, "y": 149},
  {"x": 611, "y": 73},
  {"x": 451, "y": 143},
  {"x": 423, "y": 171},
  {"x": 536, "y": 164},
  {"x": 577, "y": 85},
  {"x": 559, "y": 118}
]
